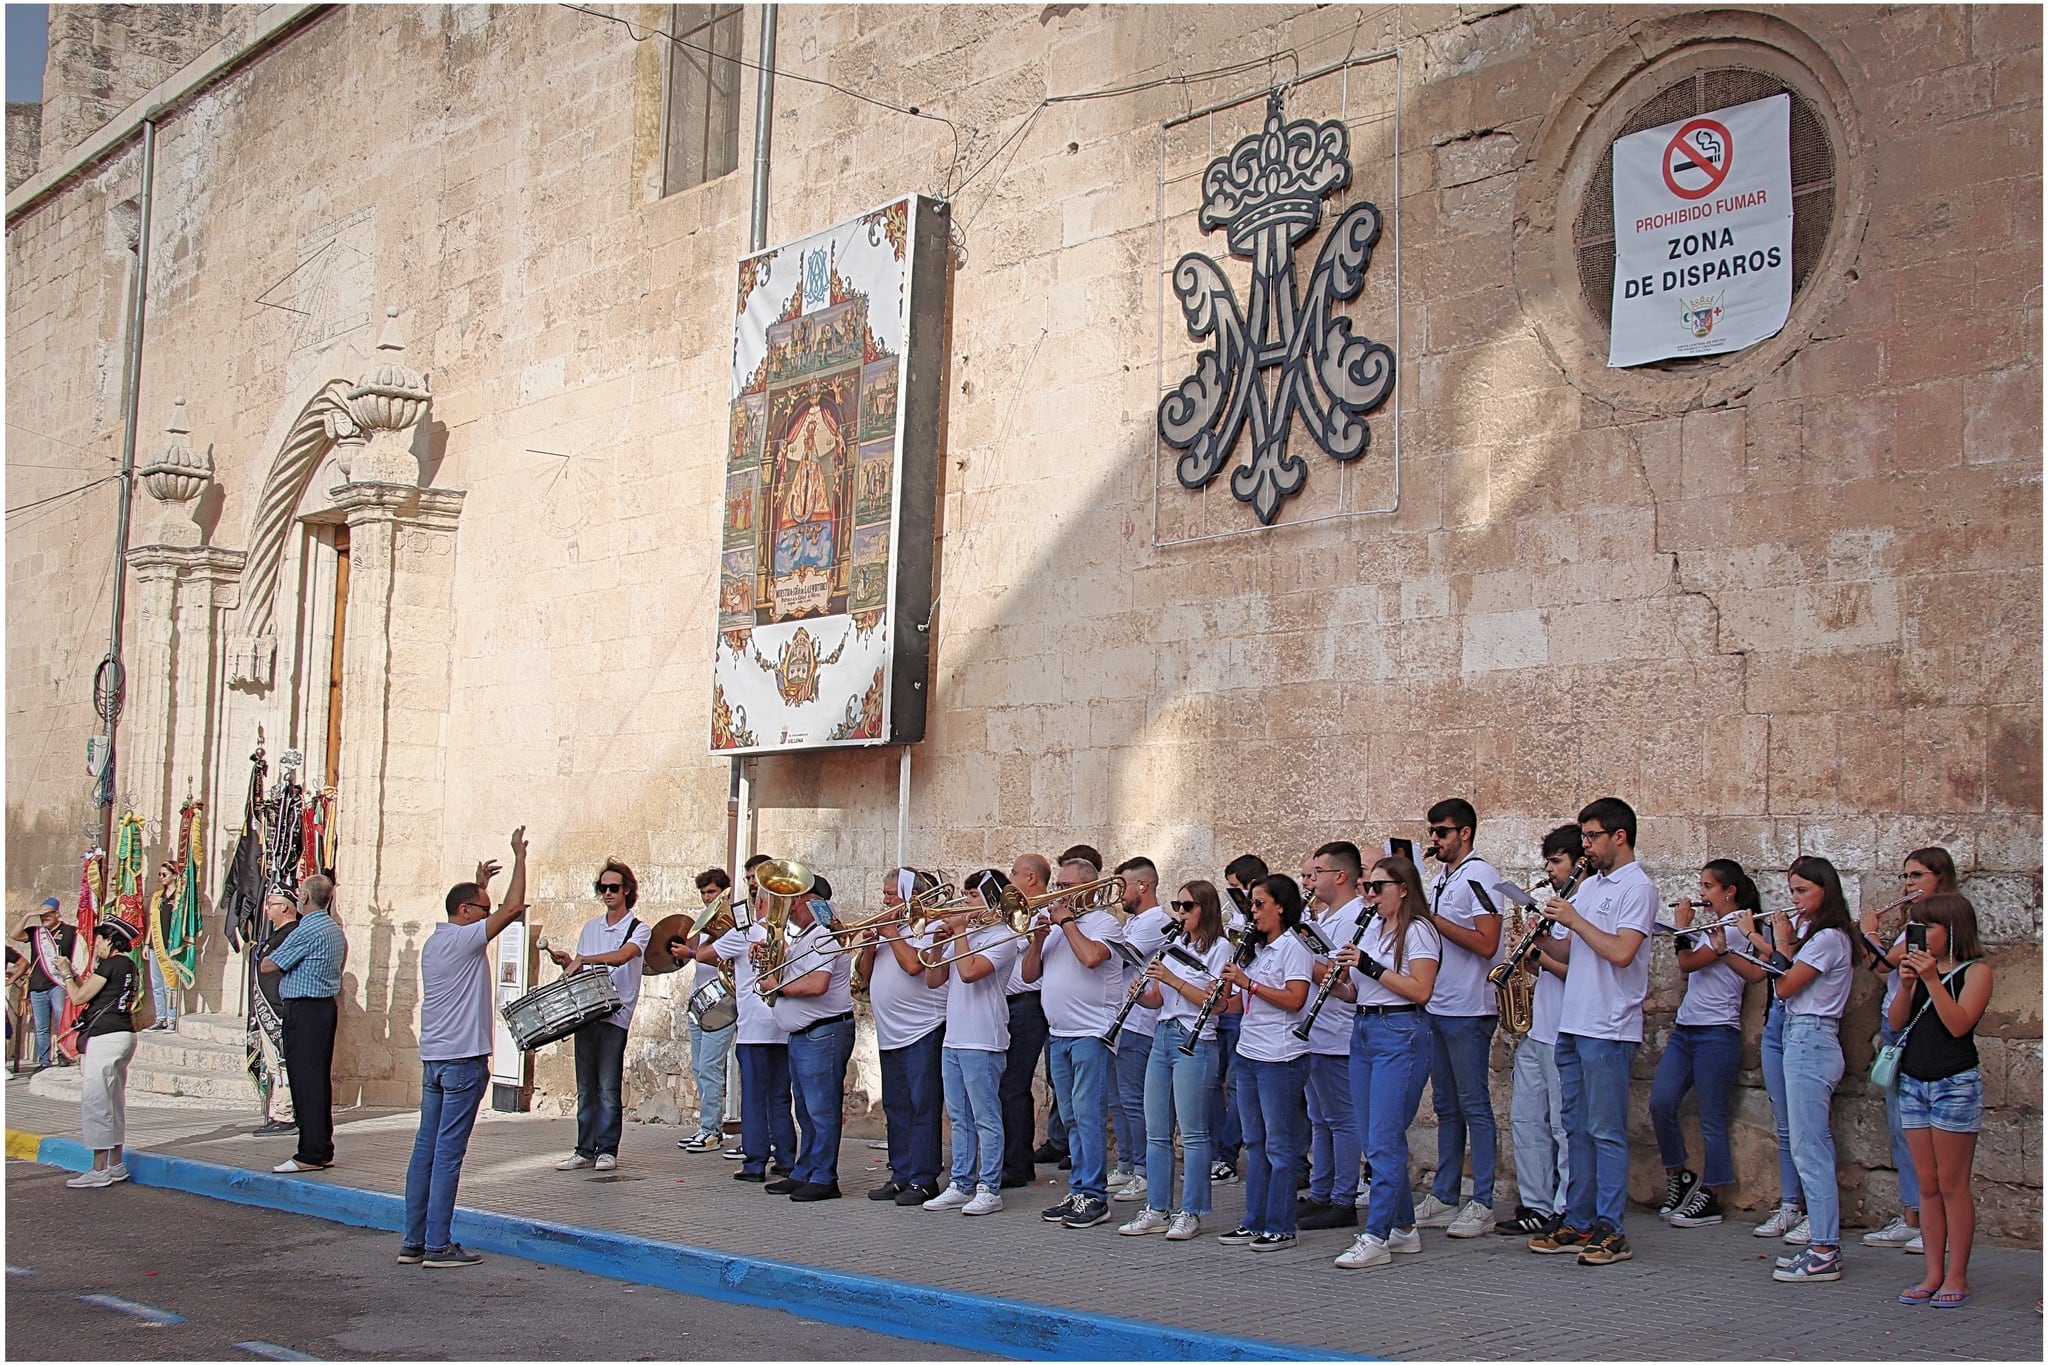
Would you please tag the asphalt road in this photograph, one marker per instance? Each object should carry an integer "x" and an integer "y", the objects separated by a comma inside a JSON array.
[{"x": 245, "y": 1279}]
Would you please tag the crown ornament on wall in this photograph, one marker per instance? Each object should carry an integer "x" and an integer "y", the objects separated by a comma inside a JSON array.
[{"x": 1285, "y": 356}]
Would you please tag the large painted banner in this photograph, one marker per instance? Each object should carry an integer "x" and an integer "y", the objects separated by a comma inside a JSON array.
[
  {"x": 1703, "y": 233},
  {"x": 831, "y": 474}
]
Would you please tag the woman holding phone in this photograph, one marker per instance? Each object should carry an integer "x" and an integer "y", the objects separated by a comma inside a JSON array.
[{"x": 1941, "y": 1090}]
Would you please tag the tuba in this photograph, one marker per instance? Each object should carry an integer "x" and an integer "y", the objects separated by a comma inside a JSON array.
[{"x": 783, "y": 883}]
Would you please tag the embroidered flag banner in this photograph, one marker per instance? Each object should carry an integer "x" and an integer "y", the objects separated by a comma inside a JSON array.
[
  {"x": 1703, "y": 233},
  {"x": 831, "y": 477}
]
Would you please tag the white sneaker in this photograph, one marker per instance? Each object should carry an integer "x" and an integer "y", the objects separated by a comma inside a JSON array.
[
  {"x": 1364, "y": 1195},
  {"x": 117, "y": 1172},
  {"x": 985, "y": 1200},
  {"x": 572, "y": 1162},
  {"x": 1366, "y": 1251},
  {"x": 1801, "y": 1233},
  {"x": 1186, "y": 1227},
  {"x": 1433, "y": 1212},
  {"x": 607, "y": 1162},
  {"x": 1779, "y": 1223},
  {"x": 1474, "y": 1220},
  {"x": 952, "y": 1197},
  {"x": 1892, "y": 1234},
  {"x": 1119, "y": 1178},
  {"x": 91, "y": 1180},
  {"x": 1132, "y": 1191},
  {"x": 1404, "y": 1241},
  {"x": 1916, "y": 1247},
  {"x": 1148, "y": 1220}
]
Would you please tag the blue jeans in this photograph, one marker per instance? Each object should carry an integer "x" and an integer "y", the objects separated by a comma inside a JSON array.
[
  {"x": 1593, "y": 1075},
  {"x": 1705, "y": 1057},
  {"x": 1226, "y": 1134},
  {"x": 1773, "y": 1055},
  {"x": 1272, "y": 1105},
  {"x": 1178, "y": 1087},
  {"x": 600, "y": 1079},
  {"x": 1390, "y": 1055},
  {"x": 450, "y": 1094},
  {"x": 913, "y": 1092},
  {"x": 1020, "y": 1064},
  {"x": 160, "y": 990},
  {"x": 974, "y": 1084},
  {"x": 1457, "y": 1082},
  {"x": 1536, "y": 1120},
  {"x": 48, "y": 1006},
  {"x": 1813, "y": 1068},
  {"x": 1334, "y": 1131},
  {"x": 1902, "y": 1155},
  {"x": 1127, "y": 1109},
  {"x": 817, "y": 1073},
  {"x": 767, "y": 1132},
  {"x": 1081, "y": 1076},
  {"x": 708, "y": 1052}
]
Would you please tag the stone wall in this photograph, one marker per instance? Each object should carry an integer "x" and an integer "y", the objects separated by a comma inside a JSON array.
[
  {"x": 1789, "y": 606},
  {"x": 105, "y": 57},
  {"x": 24, "y": 141}
]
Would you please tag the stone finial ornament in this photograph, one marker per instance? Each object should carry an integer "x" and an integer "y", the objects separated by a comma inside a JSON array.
[
  {"x": 390, "y": 397},
  {"x": 176, "y": 477}
]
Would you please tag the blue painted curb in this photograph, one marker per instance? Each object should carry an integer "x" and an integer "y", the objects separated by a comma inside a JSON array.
[{"x": 975, "y": 1322}]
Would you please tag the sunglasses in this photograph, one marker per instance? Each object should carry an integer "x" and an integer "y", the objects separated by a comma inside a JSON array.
[
  {"x": 1185, "y": 907},
  {"x": 610, "y": 888},
  {"x": 1378, "y": 885},
  {"x": 475, "y": 905},
  {"x": 1442, "y": 831}
]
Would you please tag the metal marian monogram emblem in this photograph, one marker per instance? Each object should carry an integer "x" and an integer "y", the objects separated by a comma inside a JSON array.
[{"x": 1285, "y": 355}]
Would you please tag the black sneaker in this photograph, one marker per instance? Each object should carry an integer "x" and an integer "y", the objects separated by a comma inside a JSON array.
[
  {"x": 1606, "y": 1247},
  {"x": 411, "y": 1255},
  {"x": 1066, "y": 1163},
  {"x": 1526, "y": 1223},
  {"x": 785, "y": 1185},
  {"x": 812, "y": 1191},
  {"x": 1048, "y": 1152},
  {"x": 1058, "y": 1212},
  {"x": 1087, "y": 1212},
  {"x": 1329, "y": 1216},
  {"x": 1017, "y": 1182},
  {"x": 913, "y": 1196},
  {"x": 882, "y": 1194},
  {"x": 1702, "y": 1210},
  {"x": 1238, "y": 1236},
  {"x": 1273, "y": 1241},
  {"x": 454, "y": 1254},
  {"x": 275, "y": 1129},
  {"x": 1678, "y": 1187},
  {"x": 753, "y": 1177}
]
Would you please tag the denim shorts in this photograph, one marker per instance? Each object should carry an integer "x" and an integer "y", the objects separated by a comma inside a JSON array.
[{"x": 1954, "y": 1104}]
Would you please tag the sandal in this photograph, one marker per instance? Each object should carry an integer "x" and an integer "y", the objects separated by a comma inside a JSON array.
[
  {"x": 1949, "y": 1298},
  {"x": 1915, "y": 1295}
]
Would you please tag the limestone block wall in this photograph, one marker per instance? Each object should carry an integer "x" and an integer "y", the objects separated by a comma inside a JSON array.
[{"x": 1798, "y": 613}]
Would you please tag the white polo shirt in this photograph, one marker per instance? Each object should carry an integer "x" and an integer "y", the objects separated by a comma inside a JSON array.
[
  {"x": 978, "y": 1012},
  {"x": 1462, "y": 990},
  {"x": 601, "y": 937},
  {"x": 905, "y": 1008},
  {"x": 1602, "y": 1000},
  {"x": 1144, "y": 931},
  {"x": 1421, "y": 943},
  {"x": 808, "y": 952},
  {"x": 1081, "y": 1002},
  {"x": 1267, "y": 1034},
  {"x": 757, "y": 1022},
  {"x": 1331, "y": 1035}
]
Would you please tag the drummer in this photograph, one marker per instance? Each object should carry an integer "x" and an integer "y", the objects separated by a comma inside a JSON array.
[
  {"x": 814, "y": 1004},
  {"x": 613, "y": 940},
  {"x": 709, "y": 1050},
  {"x": 910, "y": 1030}
]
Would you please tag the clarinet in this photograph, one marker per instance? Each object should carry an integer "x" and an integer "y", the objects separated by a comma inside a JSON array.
[
  {"x": 1509, "y": 965},
  {"x": 1301, "y": 1030},
  {"x": 1116, "y": 1025},
  {"x": 1246, "y": 948}
]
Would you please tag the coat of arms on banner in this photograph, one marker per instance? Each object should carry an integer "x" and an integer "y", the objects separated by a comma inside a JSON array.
[{"x": 830, "y": 474}]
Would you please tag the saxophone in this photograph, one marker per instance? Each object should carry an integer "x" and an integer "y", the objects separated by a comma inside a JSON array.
[{"x": 1517, "y": 994}]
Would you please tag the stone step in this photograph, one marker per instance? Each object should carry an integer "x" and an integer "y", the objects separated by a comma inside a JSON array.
[
  {"x": 210, "y": 1092},
  {"x": 169, "y": 1052},
  {"x": 212, "y": 1028}
]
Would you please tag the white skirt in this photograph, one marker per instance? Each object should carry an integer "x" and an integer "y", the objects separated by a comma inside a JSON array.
[{"x": 103, "y": 1104}]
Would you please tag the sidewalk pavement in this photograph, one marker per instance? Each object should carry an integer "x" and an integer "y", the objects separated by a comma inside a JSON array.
[{"x": 1011, "y": 1284}]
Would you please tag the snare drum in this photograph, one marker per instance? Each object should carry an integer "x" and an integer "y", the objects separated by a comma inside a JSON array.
[
  {"x": 554, "y": 1011},
  {"x": 713, "y": 1006}
]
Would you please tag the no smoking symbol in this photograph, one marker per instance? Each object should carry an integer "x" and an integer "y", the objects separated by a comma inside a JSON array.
[{"x": 1697, "y": 159}]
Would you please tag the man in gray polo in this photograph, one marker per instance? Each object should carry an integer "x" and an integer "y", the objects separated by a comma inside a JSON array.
[{"x": 455, "y": 1056}]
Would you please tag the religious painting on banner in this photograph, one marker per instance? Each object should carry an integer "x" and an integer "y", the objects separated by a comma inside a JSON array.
[
  {"x": 831, "y": 475},
  {"x": 1703, "y": 234}
]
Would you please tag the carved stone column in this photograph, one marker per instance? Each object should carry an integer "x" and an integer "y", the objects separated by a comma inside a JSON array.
[{"x": 183, "y": 586}]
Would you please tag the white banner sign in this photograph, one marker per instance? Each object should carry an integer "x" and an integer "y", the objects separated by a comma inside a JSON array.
[{"x": 1703, "y": 233}]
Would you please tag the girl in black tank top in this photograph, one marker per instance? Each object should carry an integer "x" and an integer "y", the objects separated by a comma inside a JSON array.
[{"x": 1946, "y": 987}]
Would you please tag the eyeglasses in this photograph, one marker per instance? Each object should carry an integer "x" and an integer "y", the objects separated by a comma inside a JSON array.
[
  {"x": 476, "y": 905},
  {"x": 1589, "y": 835},
  {"x": 1378, "y": 885},
  {"x": 610, "y": 888},
  {"x": 1185, "y": 907},
  {"x": 1442, "y": 831}
]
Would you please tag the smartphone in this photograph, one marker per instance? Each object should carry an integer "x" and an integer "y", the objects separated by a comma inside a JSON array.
[
  {"x": 1403, "y": 848},
  {"x": 1916, "y": 937}
]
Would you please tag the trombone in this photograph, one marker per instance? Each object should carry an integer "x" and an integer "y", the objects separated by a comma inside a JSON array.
[{"x": 1017, "y": 911}]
